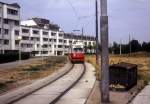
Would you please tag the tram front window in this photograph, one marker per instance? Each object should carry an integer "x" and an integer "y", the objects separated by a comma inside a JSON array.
[{"x": 78, "y": 50}]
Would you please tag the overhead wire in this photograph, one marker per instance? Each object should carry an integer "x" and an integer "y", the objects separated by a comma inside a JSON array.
[
  {"x": 80, "y": 17},
  {"x": 73, "y": 8}
]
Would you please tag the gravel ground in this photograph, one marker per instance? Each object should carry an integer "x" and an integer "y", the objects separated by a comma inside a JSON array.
[{"x": 115, "y": 97}]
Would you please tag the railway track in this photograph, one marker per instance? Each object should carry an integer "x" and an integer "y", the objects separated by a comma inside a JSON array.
[{"x": 52, "y": 92}]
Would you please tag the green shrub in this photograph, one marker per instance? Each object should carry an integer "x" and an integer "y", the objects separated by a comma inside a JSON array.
[{"x": 9, "y": 57}]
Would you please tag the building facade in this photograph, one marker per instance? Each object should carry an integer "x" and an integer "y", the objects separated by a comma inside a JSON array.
[
  {"x": 9, "y": 26},
  {"x": 39, "y": 36}
]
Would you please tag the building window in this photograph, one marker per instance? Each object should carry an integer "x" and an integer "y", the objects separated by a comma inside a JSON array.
[
  {"x": 16, "y": 23},
  {"x": 35, "y": 39},
  {"x": 6, "y": 31},
  {"x": 54, "y": 40},
  {"x": 6, "y": 21},
  {"x": 6, "y": 42},
  {"x": 45, "y": 33},
  {"x": 89, "y": 43},
  {"x": 70, "y": 41},
  {"x": 60, "y": 40},
  {"x": 59, "y": 46},
  {"x": 45, "y": 39},
  {"x": 60, "y": 35},
  {"x": 38, "y": 45},
  {"x": 25, "y": 30},
  {"x": 38, "y": 39},
  {"x": 16, "y": 42},
  {"x": 45, "y": 46},
  {"x": 35, "y": 32},
  {"x": 17, "y": 32},
  {"x": 53, "y": 34},
  {"x": 12, "y": 12},
  {"x": 65, "y": 41},
  {"x": 25, "y": 38}
]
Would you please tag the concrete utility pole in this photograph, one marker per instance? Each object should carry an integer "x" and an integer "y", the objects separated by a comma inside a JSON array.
[
  {"x": 120, "y": 47},
  {"x": 82, "y": 33},
  {"x": 96, "y": 25},
  {"x": 130, "y": 44},
  {"x": 104, "y": 53}
]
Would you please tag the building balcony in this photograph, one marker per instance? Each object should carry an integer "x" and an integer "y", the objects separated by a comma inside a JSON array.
[
  {"x": 25, "y": 34},
  {"x": 6, "y": 36},
  {"x": 26, "y": 49},
  {"x": 26, "y": 41},
  {"x": 54, "y": 37},
  {"x": 46, "y": 42},
  {"x": 36, "y": 35},
  {"x": 12, "y": 17}
]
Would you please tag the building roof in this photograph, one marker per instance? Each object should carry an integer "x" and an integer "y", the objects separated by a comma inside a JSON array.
[
  {"x": 44, "y": 23},
  {"x": 41, "y": 24},
  {"x": 12, "y": 4}
]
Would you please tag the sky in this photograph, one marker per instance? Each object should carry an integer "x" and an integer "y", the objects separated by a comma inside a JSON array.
[{"x": 126, "y": 17}]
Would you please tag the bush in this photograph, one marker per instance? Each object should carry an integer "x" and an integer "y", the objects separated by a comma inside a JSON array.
[{"x": 9, "y": 57}]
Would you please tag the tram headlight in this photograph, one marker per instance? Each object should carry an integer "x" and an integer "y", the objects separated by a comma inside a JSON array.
[{"x": 74, "y": 55}]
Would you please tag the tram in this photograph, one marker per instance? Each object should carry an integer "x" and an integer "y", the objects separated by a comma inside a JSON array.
[{"x": 76, "y": 52}]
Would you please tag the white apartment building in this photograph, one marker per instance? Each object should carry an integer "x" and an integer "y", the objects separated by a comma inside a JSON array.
[
  {"x": 9, "y": 26},
  {"x": 41, "y": 37}
]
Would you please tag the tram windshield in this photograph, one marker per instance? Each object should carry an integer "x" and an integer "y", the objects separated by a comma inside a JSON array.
[{"x": 78, "y": 49}]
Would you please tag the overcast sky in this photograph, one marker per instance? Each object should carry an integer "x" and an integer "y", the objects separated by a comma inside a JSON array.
[{"x": 126, "y": 17}]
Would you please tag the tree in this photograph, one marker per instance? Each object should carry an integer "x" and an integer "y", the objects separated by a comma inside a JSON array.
[
  {"x": 90, "y": 47},
  {"x": 115, "y": 48},
  {"x": 135, "y": 46},
  {"x": 146, "y": 46},
  {"x": 85, "y": 49}
]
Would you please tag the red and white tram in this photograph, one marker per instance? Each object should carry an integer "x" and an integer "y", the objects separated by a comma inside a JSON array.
[{"x": 76, "y": 53}]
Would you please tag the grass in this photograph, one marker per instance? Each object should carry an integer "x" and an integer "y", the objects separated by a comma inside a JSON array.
[
  {"x": 142, "y": 59},
  {"x": 28, "y": 73}
]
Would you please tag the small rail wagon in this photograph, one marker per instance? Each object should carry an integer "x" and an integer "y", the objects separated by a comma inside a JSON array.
[
  {"x": 76, "y": 53},
  {"x": 123, "y": 76}
]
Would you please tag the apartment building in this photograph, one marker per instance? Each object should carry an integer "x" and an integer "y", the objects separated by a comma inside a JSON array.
[
  {"x": 41, "y": 37},
  {"x": 9, "y": 26}
]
